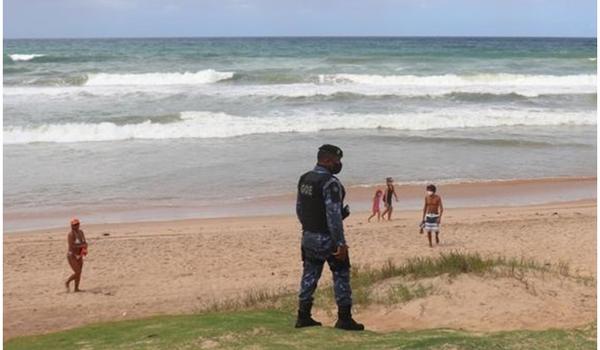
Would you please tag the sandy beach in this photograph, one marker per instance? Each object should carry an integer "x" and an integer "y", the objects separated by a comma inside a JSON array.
[{"x": 141, "y": 269}]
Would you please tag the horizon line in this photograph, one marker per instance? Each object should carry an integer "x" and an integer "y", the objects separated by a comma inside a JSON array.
[{"x": 304, "y": 37}]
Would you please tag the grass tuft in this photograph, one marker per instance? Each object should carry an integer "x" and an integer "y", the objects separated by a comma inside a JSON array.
[
  {"x": 401, "y": 293},
  {"x": 451, "y": 264}
]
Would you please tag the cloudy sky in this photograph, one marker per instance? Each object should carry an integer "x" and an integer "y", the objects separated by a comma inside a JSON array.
[{"x": 176, "y": 18}]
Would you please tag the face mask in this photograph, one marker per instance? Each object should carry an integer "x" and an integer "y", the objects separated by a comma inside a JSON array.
[
  {"x": 337, "y": 167},
  {"x": 430, "y": 193}
]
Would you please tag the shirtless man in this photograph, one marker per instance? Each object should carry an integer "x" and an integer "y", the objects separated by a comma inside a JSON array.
[
  {"x": 77, "y": 249},
  {"x": 432, "y": 214}
]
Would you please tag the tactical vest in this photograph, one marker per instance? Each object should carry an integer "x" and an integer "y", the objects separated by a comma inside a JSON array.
[{"x": 312, "y": 201}]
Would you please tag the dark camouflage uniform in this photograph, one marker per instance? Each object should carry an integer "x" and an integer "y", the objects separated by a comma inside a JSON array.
[{"x": 318, "y": 247}]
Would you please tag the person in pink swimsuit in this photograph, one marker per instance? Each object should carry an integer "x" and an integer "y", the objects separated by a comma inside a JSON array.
[{"x": 376, "y": 201}]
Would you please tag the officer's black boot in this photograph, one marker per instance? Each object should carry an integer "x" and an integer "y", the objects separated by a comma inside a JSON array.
[
  {"x": 304, "y": 317},
  {"x": 345, "y": 320}
]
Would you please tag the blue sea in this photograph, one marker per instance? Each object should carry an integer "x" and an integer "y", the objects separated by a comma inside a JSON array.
[{"x": 101, "y": 124}]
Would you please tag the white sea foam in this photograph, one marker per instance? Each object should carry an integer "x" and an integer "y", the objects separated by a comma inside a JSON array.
[
  {"x": 196, "y": 124},
  {"x": 151, "y": 79},
  {"x": 165, "y": 84},
  {"x": 23, "y": 57}
]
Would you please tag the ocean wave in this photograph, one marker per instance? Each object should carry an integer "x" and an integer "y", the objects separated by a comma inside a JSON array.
[
  {"x": 134, "y": 82},
  {"x": 299, "y": 91},
  {"x": 58, "y": 58},
  {"x": 199, "y": 124},
  {"x": 24, "y": 57},
  {"x": 500, "y": 79},
  {"x": 105, "y": 84},
  {"x": 11, "y": 69},
  {"x": 454, "y": 96},
  {"x": 153, "y": 79},
  {"x": 136, "y": 119}
]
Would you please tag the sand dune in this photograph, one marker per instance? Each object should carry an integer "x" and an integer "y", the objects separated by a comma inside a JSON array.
[{"x": 485, "y": 303}]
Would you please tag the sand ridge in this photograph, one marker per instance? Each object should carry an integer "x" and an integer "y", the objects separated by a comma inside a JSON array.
[{"x": 484, "y": 303}]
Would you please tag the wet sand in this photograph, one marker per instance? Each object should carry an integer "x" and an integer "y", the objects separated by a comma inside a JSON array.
[{"x": 456, "y": 194}]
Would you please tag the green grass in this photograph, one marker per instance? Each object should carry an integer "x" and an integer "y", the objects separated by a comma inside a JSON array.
[
  {"x": 271, "y": 329},
  {"x": 400, "y": 293}
]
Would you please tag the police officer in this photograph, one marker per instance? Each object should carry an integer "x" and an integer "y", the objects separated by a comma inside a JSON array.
[{"x": 320, "y": 210}]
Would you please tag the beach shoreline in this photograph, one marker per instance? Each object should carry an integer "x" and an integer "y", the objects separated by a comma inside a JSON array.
[{"x": 457, "y": 194}]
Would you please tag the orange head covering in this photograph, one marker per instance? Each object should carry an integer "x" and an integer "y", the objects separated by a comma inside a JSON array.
[{"x": 74, "y": 221}]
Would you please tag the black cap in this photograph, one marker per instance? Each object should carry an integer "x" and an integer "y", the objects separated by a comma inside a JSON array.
[{"x": 331, "y": 149}]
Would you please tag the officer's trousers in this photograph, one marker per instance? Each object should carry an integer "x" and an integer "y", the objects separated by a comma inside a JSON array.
[{"x": 341, "y": 279}]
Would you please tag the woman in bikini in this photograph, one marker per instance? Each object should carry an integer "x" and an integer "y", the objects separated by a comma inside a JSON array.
[{"x": 77, "y": 249}]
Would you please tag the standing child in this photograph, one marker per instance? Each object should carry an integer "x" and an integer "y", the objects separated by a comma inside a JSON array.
[
  {"x": 387, "y": 198},
  {"x": 376, "y": 201},
  {"x": 432, "y": 214}
]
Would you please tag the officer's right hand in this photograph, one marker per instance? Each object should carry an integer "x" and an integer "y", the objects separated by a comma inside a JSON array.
[
  {"x": 341, "y": 253},
  {"x": 345, "y": 211}
]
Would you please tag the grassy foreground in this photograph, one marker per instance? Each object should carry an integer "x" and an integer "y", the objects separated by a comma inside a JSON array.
[
  {"x": 264, "y": 320},
  {"x": 271, "y": 329}
]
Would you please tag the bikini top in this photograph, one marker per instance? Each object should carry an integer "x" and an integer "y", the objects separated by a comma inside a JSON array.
[{"x": 78, "y": 241}]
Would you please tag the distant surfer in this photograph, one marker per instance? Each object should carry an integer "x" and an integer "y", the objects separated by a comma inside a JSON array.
[
  {"x": 77, "y": 250},
  {"x": 432, "y": 214}
]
